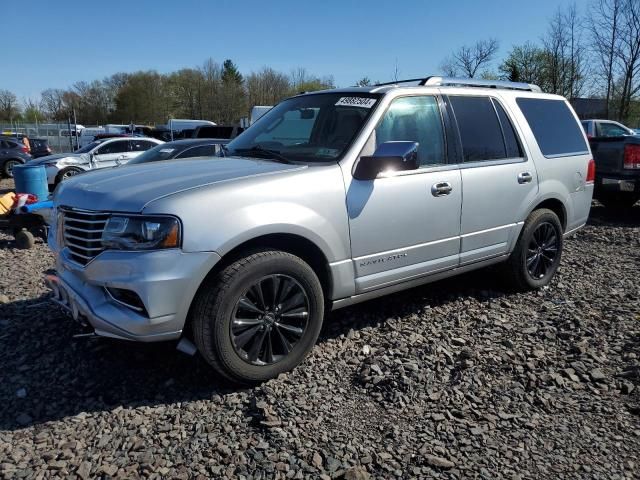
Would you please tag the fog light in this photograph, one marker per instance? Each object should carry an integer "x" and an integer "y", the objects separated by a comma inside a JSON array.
[{"x": 128, "y": 298}]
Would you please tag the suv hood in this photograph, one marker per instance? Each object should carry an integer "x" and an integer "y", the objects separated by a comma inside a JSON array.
[{"x": 131, "y": 188}]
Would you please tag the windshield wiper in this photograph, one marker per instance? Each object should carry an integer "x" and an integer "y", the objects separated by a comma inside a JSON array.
[{"x": 264, "y": 153}]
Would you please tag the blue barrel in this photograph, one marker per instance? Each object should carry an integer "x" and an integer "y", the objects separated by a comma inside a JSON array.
[{"x": 31, "y": 179}]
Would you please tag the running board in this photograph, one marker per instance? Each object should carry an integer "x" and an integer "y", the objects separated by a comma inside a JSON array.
[{"x": 416, "y": 282}]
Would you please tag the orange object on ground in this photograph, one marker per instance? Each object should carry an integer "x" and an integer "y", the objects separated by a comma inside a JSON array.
[{"x": 6, "y": 202}]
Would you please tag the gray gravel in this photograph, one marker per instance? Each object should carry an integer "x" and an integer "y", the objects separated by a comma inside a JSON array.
[{"x": 452, "y": 380}]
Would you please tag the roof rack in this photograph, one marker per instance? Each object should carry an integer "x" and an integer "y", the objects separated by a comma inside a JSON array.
[{"x": 466, "y": 82}]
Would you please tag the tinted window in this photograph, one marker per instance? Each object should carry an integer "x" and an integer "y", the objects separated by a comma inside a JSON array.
[
  {"x": 514, "y": 150},
  {"x": 114, "y": 147},
  {"x": 141, "y": 145},
  {"x": 611, "y": 130},
  {"x": 479, "y": 128},
  {"x": 199, "y": 151},
  {"x": 414, "y": 119},
  {"x": 554, "y": 126}
]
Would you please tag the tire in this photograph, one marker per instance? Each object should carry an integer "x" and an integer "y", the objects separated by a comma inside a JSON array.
[
  {"x": 24, "y": 240},
  {"x": 522, "y": 269},
  {"x": 67, "y": 173},
  {"x": 7, "y": 168},
  {"x": 222, "y": 324},
  {"x": 618, "y": 201}
]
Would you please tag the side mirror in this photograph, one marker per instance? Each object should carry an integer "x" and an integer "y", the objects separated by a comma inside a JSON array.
[{"x": 389, "y": 156}]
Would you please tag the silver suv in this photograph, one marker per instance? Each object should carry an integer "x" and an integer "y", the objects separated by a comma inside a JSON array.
[{"x": 330, "y": 199}]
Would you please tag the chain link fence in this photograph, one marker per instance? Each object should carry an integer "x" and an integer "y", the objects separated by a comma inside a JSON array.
[{"x": 60, "y": 138}]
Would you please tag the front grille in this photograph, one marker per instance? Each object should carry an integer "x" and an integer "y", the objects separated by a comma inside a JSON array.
[{"x": 82, "y": 232}]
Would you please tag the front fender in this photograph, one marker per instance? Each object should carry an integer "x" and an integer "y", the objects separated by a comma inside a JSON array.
[{"x": 310, "y": 204}]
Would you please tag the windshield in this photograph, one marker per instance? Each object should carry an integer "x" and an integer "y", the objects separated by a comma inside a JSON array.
[
  {"x": 89, "y": 147},
  {"x": 155, "y": 154},
  {"x": 307, "y": 128}
]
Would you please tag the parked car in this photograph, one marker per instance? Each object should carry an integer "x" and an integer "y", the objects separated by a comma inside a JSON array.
[
  {"x": 179, "y": 149},
  {"x": 617, "y": 159},
  {"x": 98, "y": 154},
  {"x": 331, "y": 199},
  {"x": 221, "y": 132},
  {"x": 12, "y": 152},
  {"x": 40, "y": 147},
  {"x": 605, "y": 128},
  {"x": 18, "y": 137}
]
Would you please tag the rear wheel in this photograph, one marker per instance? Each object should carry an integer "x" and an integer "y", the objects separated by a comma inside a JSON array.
[
  {"x": 9, "y": 165},
  {"x": 536, "y": 257},
  {"x": 259, "y": 316}
]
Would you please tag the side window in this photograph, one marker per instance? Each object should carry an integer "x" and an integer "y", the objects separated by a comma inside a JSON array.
[
  {"x": 415, "y": 119},
  {"x": 514, "y": 150},
  {"x": 554, "y": 126},
  {"x": 610, "y": 130},
  {"x": 199, "y": 151},
  {"x": 479, "y": 128},
  {"x": 114, "y": 147},
  {"x": 141, "y": 145}
]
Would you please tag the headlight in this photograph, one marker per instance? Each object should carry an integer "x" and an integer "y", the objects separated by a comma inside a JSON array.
[{"x": 141, "y": 233}]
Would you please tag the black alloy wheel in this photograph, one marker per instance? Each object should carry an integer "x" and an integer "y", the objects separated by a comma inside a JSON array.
[
  {"x": 542, "y": 250},
  {"x": 269, "y": 319}
]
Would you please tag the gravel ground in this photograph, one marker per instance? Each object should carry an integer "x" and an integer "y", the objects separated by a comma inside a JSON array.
[{"x": 456, "y": 379}]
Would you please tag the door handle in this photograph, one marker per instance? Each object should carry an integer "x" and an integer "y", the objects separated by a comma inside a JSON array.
[
  {"x": 524, "y": 177},
  {"x": 441, "y": 189}
]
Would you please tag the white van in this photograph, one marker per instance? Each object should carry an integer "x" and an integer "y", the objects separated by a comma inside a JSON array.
[
  {"x": 179, "y": 124},
  {"x": 257, "y": 112},
  {"x": 89, "y": 134}
]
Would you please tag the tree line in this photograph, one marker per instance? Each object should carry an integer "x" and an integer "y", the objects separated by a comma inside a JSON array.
[{"x": 593, "y": 53}]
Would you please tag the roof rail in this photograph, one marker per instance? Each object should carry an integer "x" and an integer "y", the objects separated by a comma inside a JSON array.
[{"x": 467, "y": 82}]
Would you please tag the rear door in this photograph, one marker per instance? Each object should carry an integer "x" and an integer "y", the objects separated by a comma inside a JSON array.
[{"x": 497, "y": 178}]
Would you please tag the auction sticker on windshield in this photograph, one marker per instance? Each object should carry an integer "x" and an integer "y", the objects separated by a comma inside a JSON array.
[{"x": 363, "y": 102}]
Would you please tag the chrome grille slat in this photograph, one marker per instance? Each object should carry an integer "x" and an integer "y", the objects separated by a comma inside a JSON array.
[
  {"x": 84, "y": 230},
  {"x": 73, "y": 237},
  {"x": 82, "y": 233}
]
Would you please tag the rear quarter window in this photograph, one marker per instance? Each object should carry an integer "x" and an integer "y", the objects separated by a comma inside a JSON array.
[{"x": 554, "y": 127}]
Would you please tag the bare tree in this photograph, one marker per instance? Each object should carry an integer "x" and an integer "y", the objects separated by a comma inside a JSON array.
[
  {"x": 565, "y": 69},
  {"x": 469, "y": 60},
  {"x": 9, "y": 106},
  {"x": 53, "y": 103},
  {"x": 603, "y": 23},
  {"x": 628, "y": 54}
]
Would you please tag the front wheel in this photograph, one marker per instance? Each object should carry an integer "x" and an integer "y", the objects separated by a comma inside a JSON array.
[
  {"x": 537, "y": 254},
  {"x": 67, "y": 173},
  {"x": 258, "y": 317}
]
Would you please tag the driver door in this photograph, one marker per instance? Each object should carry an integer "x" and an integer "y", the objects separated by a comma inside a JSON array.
[
  {"x": 406, "y": 225},
  {"x": 108, "y": 154}
]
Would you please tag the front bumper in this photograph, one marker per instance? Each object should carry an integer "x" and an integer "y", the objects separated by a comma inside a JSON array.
[{"x": 166, "y": 282}]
